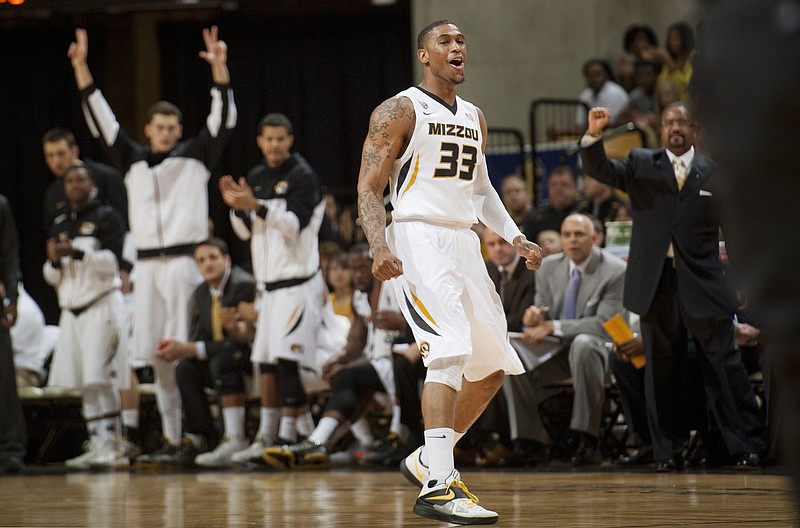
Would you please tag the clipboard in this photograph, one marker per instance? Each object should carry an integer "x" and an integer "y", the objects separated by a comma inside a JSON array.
[
  {"x": 619, "y": 331},
  {"x": 534, "y": 355}
]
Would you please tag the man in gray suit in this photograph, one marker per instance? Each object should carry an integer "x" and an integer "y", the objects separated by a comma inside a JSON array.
[{"x": 576, "y": 292}]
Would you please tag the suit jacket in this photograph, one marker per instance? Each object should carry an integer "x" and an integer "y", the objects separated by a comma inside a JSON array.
[
  {"x": 662, "y": 214},
  {"x": 519, "y": 292},
  {"x": 241, "y": 287},
  {"x": 599, "y": 297}
]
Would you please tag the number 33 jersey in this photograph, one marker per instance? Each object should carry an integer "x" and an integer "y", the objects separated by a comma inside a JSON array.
[{"x": 432, "y": 181}]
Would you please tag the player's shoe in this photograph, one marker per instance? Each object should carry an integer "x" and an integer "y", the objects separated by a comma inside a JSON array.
[
  {"x": 388, "y": 453},
  {"x": 450, "y": 501},
  {"x": 252, "y": 453},
  {"x": 305, "y": 453},
  {"x": 171, "y": 455},
  {"x": 110, "y": 454},
  {"x": 84, "y": 460},
  {"x": 413, "y": 469},
  {"x": 221, "y": 456}
]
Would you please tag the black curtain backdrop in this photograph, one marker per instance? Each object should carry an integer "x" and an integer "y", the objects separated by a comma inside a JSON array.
[{"x": 325, "y": 71}]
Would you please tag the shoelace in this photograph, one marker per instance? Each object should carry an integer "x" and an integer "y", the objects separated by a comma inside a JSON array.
[{"x": 463, "y": 487}]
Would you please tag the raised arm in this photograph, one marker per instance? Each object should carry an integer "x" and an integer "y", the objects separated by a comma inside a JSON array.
[
  {"x": 77, "y": 53},
  {"x": 390, "y": 128},
  {"x": 216, "y": 55}
]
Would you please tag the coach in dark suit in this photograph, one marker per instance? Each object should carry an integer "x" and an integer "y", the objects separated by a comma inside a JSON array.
[
  {"x": 676, "y": 282},
  {"x": 218, "y": 354}
]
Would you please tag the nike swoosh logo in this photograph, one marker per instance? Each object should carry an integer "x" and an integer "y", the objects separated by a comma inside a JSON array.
[
  {"x": 434, "y": 436},
  {"x": 427, "y": 113},
  {"x": 420, "y": 475},
  {"x": 446, "y": 497}
]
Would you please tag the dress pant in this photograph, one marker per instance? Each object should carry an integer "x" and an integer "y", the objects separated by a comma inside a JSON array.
[
  {"x": 13, "y": 440},
  {"x": 729, "y": 396}
]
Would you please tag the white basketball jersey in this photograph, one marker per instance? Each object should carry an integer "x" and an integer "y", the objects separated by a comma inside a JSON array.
[{"x": 432, "y": 181}]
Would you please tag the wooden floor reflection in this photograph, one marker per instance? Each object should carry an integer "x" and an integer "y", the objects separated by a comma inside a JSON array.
[{"x": 356, "y": 498}]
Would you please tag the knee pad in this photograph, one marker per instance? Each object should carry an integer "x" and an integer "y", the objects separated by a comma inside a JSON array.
[
  {"x": 447, "y": 371},
  {"x": 291, "y": 388}
]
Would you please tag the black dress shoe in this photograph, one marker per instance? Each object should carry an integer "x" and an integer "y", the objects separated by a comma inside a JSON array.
[
  {"x": 643, "y": 456},
  {"x": 11, "y": 464},
  {"x": 587, "y": 453},
  {"x": 750, "y": 461},
  {"x": 670, "y": 466}
]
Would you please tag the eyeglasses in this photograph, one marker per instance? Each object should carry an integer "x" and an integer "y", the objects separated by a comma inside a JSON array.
[{"x": 682, "y": 123}]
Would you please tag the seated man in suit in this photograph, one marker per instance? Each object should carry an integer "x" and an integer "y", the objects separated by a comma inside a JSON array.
[
  {"x": 217, "y": 356},
  {"x": 576, "y": 292}
]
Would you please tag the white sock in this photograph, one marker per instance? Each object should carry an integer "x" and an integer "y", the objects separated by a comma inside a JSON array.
[
  {"x": 305, "y": 424},
  {"x": 439, "y": 449},
  {"x": 130, "y": 418},
  {"x": 363, "y": 432},
  {"x": 287, "y": 430},
  {"x": 196, "y": 440},
  {"x": 233, "y": 418},
  {"x": 324, "y": 430},
  {"x": 268, "y": 425},
  {"x": 171, "y": 426}
]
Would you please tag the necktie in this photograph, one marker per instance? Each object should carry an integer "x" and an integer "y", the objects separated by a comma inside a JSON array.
[
  {"x": 216, "y": 318},
  {"x": 571, "y": 295},
  {"x": 503, "y": 284},
  {"x": 680, "y": 172}
]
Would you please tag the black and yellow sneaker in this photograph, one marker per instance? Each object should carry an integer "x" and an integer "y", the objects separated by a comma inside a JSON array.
[
  {"x": 450, "y": 501},
  {"x": 305, "y": 453}
]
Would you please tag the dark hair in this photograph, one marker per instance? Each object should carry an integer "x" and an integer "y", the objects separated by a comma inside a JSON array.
[
  {"x": 558, "y": 169},
  {"x": 427, "y": 30},
  {"x": 59, "y": 134},
  {"x": 275, "y": 119},
  {"x": 685, "y": 33},
  {"x": 215, "y": 242},
  {"x": 76, "y": 167},
  {"x": 164, "y": 108},
  {"x": 362, "y": 248},
  {"x": 653, "y": 65},
  {"x": 634, "y": 31},
  {"x": 602, "y": 63}
]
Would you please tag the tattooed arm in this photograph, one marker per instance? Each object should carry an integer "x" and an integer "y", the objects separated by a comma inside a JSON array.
[{"x": 390, "y": 128}]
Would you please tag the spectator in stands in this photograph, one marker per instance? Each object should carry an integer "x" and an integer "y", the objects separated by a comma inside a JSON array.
[
  {"x": 676, "y": 282},
  {"x": 550, "y": 241},
  {"x": 84, "y": 249},
  {"x": 576, "y": 292},
  {"x": 368, "y": 364},
  {"x": 340, "y": 284},
  {"x": 563, "y": 199},
  {"x": 601, "y": 90},
  {"x": 279, "y": 208},
  {"x": 516, "y": 197},
  {"x": 327, "y": 251},
  {"x": 603, "y": 202},
  {"x": 677, "y": 58},
  {"x": 217, "y": 356},
  {"x": 639, "y": 43},
  {"x": 12, "y": 420},
  {"x": 33, "y": 341},
  {"x": 642, "y": 105}
]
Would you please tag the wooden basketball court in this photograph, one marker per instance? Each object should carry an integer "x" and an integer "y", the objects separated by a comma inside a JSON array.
[{"x": 356, "y": 498}]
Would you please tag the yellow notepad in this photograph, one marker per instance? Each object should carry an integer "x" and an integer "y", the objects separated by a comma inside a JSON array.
[{"x": 620, "y": 331}]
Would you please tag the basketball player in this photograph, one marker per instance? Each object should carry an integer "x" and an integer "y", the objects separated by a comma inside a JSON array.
[
  {"x": 83, "y": 251},
  {"x": 279, "y": 207},
  {"x": 167, "y": 182},
  {"x": 427, "y": 144}
]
